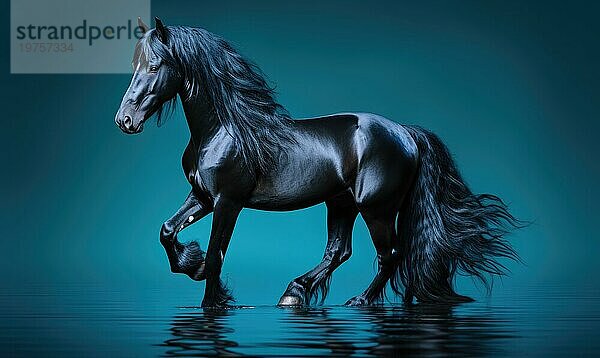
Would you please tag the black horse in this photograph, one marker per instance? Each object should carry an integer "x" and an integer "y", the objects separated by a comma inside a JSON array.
[{"x": 246, "y": 151}]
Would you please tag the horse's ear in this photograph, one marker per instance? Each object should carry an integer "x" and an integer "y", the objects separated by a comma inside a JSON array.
[
  {"x": 143, "y": 26},
  {"x": 161, "y": 30}
]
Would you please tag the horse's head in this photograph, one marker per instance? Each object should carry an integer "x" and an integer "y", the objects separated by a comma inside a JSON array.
[{"x": 155, "y": 79}]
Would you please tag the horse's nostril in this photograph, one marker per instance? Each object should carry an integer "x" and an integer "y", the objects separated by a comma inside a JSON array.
[{"x": 127, "y": 121}]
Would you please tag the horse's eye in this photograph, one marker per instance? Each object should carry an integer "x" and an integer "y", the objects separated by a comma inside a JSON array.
[{"x": 153, "y": 68}]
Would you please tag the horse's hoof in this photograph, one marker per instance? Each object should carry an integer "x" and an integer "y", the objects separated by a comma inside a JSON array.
[
  {"x": 287, "y": 301},
  {"x": 357, "y": 301}
]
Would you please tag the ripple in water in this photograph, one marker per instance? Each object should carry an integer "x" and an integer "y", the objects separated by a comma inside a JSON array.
[
  {"x": 82, "y": 322},
  {"x": 379, "y": 331}
]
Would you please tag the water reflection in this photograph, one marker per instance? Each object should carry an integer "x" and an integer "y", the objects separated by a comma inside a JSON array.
[
  {"x": 318, "y": 329},
  {"x": 434, "y": 330},
  {"x": 340, "y": 331},
  {"x": 200, "y": 333},
  {"x": 83, "y": 321}
]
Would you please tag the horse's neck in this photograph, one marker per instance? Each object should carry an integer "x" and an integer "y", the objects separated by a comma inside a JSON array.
[{"x": 201, "y": 122}]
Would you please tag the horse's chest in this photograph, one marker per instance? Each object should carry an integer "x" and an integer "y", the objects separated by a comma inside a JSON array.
[
  {"x": 200, "y": 178},
  {"x": 191, "y": 171},
  {"x": 215, "y": 179}
]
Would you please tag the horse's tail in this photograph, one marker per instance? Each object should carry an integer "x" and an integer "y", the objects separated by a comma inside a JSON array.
[{"x": 443, "y": 227}]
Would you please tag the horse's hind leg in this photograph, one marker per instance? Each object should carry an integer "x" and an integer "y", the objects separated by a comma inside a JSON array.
[
  {"x": 341, "y": 214},
  {"x": 381, "y": 228}
]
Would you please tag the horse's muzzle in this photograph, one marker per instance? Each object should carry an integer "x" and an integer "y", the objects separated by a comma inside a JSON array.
[{"x": 127, "y": 125}]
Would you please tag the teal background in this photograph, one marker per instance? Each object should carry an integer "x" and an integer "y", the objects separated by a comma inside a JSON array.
[{"x": 511, "y": 87}]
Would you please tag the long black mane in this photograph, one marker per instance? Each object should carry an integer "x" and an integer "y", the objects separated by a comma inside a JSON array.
[{"x": 241, "y": 98}]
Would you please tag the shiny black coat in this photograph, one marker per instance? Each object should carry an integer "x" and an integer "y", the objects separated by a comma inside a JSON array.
[{"x": 246, "y": 152}]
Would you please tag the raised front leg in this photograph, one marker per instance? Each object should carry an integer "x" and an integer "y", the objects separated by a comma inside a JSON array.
[
  {"x": 224, "y": 218},
  {"x": 184, "y": 258},
  {"x": 341, "y": 215}
]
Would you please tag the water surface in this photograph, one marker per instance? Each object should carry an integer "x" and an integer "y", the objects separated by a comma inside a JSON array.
[{"x": 84, "y": 321}]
